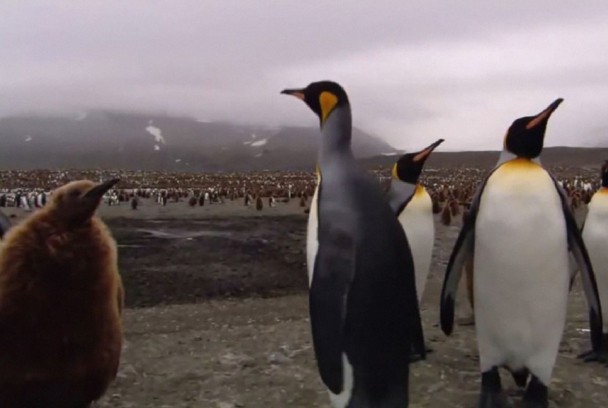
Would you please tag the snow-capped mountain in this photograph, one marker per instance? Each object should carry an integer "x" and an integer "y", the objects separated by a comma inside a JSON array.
[{"x": 156, "y": 142}]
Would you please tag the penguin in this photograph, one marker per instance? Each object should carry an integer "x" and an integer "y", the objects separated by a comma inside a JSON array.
[
  {"x": 413, "y": 206},
  {"x": 520, "y": 230},
  {"x": 595, "y": 235},
  {"x": 61, "y": 303},
  {"x": 5, "y": 224},
  {"x": 362, "y": 300}
]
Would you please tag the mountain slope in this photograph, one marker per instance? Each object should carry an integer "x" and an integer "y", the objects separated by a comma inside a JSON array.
[{"x": 155, "y": 142}]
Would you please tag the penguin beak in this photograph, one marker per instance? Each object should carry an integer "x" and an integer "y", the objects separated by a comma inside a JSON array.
[
  {"x": 544, "y": 115},
  {"x": 100, "y": 189},
  {"x": 425, "y": 153},
  {"x": 298, "y": 93}
]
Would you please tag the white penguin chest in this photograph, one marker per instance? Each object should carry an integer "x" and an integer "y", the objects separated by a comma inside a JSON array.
[
  {"x": 312, "y": 241},
  {"x": 520, "y": 223},
  {"x": 595, "y": 235},
  {"x": 417, "y": 223}
]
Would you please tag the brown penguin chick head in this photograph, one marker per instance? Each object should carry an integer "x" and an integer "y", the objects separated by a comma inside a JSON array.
[{"x": 77, "y": 201}]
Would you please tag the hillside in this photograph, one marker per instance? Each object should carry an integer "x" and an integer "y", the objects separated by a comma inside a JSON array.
[{"x": 155, "y": 142}]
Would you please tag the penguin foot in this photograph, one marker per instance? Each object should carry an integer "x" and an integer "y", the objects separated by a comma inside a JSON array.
[
  {"x": 415, "y": 356},
  {"x": 591, "y": 356},
  {"x": 488, "y": 400},
  {"x": 491, "y": 391},
  {"x": 537, "y": 394},
  {"x": 467, "y": 321}
]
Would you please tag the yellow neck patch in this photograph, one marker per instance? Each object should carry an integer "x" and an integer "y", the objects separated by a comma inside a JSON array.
[
  {"x": 521, "y": 163},
  {"x": 327, "y": 102},
  {"x": 420, "y": 190},
  {"x": 394, "y": 172}
]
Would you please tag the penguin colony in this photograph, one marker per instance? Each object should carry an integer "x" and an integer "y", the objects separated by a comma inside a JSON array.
[{"x": 368, "y": 259}]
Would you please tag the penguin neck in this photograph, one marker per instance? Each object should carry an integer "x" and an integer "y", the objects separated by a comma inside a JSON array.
[
  {"x": 336, "y": 137},
  {"x": 506, "y": 156},
  {"x": 605, "y": 180}
]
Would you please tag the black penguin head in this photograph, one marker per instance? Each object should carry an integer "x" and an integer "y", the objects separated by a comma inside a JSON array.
[
  {"x": 409, "y": 166},
  {"x": 322, "y": 97},
  {"x": 77, "y": 201},
  {"x": 526, "y": 135},
  {"x": 605, "y": 174}
]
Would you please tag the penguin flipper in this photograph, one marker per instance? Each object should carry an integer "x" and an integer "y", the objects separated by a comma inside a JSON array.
[
  {"x": 580, "y": 254},
  {"x": 463, "y": 250},
  {"x": 334, "y": 270}
]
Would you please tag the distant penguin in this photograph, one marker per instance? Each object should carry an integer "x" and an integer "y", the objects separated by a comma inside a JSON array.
[
  {"x": 201, "y": 200},
  {"x": 436, "y": 205},
  {"x": 134, "y": 203},
  {"x": 595, "y": 235},
  {"x": 520, "y": 229},
  {"x": 454, "y": 207},
  {"x": 446, "y": 214},
  {"x": 62, "y": 298},
  {"x": 259, "y": 204},
  {"x": 414, "y": 208},
  {"x": 363, "y": 308},
  {"x": 192, "y": 201}
]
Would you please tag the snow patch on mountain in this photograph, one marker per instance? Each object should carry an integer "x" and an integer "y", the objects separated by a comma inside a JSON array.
[
  {"x": 156, "y": 132},
  {"x": 259, "y": 143}
]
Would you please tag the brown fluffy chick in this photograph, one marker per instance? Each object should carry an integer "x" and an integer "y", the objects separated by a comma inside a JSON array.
[{"x": 61, "y": 300}]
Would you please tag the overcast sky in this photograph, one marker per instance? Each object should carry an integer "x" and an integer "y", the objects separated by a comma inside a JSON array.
[{"x": 415, "y": 70}]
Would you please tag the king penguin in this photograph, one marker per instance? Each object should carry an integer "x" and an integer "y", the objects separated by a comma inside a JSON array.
[
  {"x": 520, "y": 230},
  {"x": 363, "y": 306},
  {"x": 414, "y": 208},
  {"x": 595, "y": 235},
  {"x": 61, "y": 301}
]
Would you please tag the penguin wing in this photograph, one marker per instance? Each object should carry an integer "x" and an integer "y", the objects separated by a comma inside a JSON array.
[
  {"x": 579, "y": 251},
  {"x": 5, "y": 224},
  {"x": 334, "y": 270},
  {"x": 463, "y": 250}
]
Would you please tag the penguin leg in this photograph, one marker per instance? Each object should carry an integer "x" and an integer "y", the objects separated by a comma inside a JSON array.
[
  {"x": 491, "y": 391},
  {"x": 415, "y": 356},
  {"x": 537, "y": 394}
]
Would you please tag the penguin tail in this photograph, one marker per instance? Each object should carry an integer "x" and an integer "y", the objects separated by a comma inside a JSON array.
[{"x": 521, "y": 377}]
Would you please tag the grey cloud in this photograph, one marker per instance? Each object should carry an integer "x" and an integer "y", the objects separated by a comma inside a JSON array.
[{"x": 415, "y": 70}]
